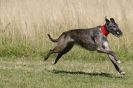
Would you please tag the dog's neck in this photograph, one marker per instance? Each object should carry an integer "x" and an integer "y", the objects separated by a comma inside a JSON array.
[{"x": 104, "y": 30}]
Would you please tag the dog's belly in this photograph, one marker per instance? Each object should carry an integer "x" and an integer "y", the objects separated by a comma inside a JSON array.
[
  {"x": 90, "y": 47},
  {"x": 87, "y": 43}
]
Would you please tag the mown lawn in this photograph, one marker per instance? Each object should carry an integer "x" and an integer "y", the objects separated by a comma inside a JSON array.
[{"x": 34, "y": 73}]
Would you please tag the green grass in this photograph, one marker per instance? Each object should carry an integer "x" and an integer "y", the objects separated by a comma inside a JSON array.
[{"x": 34, "y": 73}]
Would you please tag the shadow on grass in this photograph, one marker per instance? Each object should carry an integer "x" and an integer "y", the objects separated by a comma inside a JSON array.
[{"x": 84, "y": 73}]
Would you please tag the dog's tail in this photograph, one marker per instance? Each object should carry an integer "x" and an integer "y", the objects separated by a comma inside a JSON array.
[{"x": 53, "y": 40}]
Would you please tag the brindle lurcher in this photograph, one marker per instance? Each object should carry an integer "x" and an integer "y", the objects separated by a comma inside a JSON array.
[{"x": 91, "y": 39}]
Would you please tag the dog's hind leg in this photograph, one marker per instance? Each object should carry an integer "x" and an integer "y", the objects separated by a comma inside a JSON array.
[
  {"x": 57, "y": 58},
  {"x": 55, "y": 50},
  {"x": 49, "y": 53},
  {"x": 67, "y": 48}
]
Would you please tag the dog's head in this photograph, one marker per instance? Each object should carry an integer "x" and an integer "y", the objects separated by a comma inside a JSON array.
[{"x": 112, "y": 27}]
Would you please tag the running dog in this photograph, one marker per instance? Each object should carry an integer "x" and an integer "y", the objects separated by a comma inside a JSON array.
[{"x": 92, "y": 39}]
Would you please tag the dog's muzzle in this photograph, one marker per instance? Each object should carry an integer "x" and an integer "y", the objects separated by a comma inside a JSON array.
[{"x": 118, "y": 33}]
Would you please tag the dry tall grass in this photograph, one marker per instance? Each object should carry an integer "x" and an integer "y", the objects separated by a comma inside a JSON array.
[{"x": 28, "y": 21}]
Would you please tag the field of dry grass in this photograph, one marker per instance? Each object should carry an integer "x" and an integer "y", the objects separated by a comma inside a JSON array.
[{"x": 24, "y": 24}]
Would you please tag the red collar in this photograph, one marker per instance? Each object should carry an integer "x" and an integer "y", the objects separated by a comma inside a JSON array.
[{"x": 104, "y": 31}]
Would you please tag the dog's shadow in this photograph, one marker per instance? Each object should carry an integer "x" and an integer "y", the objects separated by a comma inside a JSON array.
[{"x": 83, "y": 73}]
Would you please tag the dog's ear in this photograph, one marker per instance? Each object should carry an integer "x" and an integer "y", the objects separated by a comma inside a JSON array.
[
  {"x": 107, "y": 21},
  {"x": 112, "y": 20}
]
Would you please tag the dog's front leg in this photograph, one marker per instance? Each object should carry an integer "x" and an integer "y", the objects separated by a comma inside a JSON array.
[
  {"x": 104, "y": 48},
  {"x": 113, "y": 59},
  {"x": 110, "y": 53}
]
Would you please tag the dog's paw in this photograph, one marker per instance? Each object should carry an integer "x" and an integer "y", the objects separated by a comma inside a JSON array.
[
  {"x": 53, "y": 63},
  {"x": 118, "y": 61},
  {"x": 122, "y": 74}
]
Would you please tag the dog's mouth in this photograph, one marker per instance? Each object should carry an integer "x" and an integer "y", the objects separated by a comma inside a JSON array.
[{"x": 118, "y": 34}]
